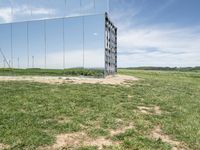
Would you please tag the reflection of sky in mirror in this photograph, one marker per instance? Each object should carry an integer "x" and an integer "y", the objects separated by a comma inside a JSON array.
[
  {"x": 53, "y": 43},
  {"x": 22, "y": 10}
]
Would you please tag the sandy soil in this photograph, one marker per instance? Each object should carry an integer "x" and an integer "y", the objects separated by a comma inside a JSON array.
[
  {"x": 3, "y": 146},
  {"x": 78, "y": 139},
  {"x": 112, "y": 80},
  {"x": 150, "y": 110}
]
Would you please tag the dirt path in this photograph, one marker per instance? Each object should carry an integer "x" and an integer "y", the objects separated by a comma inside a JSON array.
[{"x": 112, "y": 80}]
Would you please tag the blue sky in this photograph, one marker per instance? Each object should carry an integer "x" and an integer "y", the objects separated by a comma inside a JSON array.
[
  {"x": 157, "y": 32},
  {"x": 150, "y": 32}
]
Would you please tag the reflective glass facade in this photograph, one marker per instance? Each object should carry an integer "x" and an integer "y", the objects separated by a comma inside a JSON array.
[
  {"x": 57, "y": 34},
  {"x": 27, "y": 10}
]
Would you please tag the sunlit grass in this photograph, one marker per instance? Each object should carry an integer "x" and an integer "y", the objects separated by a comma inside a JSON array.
[{"x": 32, "y": 114}]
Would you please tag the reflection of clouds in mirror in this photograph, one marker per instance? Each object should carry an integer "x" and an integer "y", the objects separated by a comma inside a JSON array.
[
  {"x": 24, "y": 10},
  {"x": 94, "y": 58},
  {"x": 88, "y": 5},
  {"x": 55, "y": 60},
  {"x": 95, "y": 34},
  {"x": 74, "y": 59},
  {"x": 8, "y": 15},
  {"x": 32, "y": 40},
  {"x": 5, "y": 14}
]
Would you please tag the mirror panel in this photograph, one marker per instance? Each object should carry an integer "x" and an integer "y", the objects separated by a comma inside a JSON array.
[
  {"x": 28, "y": 10},
  {"x": 40, "y": 9},
  {"x": 5, "y": 11},
  {"x": 21, "y": 10},
  {"x": 73, "y": 7},
  {"x": 74, "y": 42},
  {"x": 101, "y": 6},
  {"x": 19, "y": 45},
  {"x": 5, "y": 45},
  {"x": 54, "y": 44},
  {"x": 94, "y": 51},
  {"x": 36, "y": 44},
  {"x": 58, "y": 8},
  {"x": 88, "y": 6}
]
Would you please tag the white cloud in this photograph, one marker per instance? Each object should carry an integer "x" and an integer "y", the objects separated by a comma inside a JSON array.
[
  {"x": 5, "y": 14},
  {"x": 159, "y": 46},
  {"x": 43, "y": 11},
  {"x": 143, "y": 44},
  {"x": 8, "y": 15}
]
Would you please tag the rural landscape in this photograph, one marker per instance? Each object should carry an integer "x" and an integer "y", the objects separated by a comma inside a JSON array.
[
  {"x": 99, "y": 75},
  {"x": 151, "y": 109}
]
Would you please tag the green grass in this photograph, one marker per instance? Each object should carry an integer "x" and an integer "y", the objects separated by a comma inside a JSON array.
[
  {"x": 30, "y": 112},
  {"x": 51, "y": 72}
]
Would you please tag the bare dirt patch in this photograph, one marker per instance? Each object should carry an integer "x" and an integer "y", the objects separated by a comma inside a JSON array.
[
  {"x": 150, "y": 110},
  {"x": 75, "y": 140},
  {"x": 129, "y": 96},
  {"x": 112, "y": 80},
  {"x": 4, "y": 146},
  {"x": 81, "y": 139},
  {"x": 157, "y": 134},
  {"x": 121, "y": 130}
]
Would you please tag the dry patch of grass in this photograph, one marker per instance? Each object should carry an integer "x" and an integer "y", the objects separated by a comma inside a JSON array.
[
  {"x": 121, "y": 130},
  {"x": 110, "y": 80},
  {"x": 75, "y": 140},
  {"x": 129, "y": 96},
  {"x": 158, "y": 134},
  {"x": 81, "y": 139},
  {"x": 150, "y": 110},
  {"x": 4, "y": 146}
]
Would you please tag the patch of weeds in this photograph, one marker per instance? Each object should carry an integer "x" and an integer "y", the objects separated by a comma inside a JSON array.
[
  {"x": 108, "y": 122},
  {"x": 131, "y": 139},
  {"x": 97, "y": 132},
  {"x": 143, "y": 143},
  {"x": 67, "y": 127},
  {"x": 122, "y": 136}
]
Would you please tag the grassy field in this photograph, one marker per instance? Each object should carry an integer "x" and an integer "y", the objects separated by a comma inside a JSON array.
[
  {"x": 51, "y": 72},
  {"x": 33, "y": 114}
]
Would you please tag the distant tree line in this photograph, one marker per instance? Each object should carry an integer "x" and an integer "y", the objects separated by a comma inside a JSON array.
[{"x": 167, "y": 68}]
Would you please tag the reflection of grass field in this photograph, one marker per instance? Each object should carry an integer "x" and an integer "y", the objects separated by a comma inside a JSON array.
[
  {"x": 32, "y": 114},
  {"x": 51, "y": 72}
]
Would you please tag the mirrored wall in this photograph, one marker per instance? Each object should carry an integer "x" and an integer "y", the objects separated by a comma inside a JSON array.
[
  {"x": 73, "y": 42},
  {"x": 27, "y": 10}
]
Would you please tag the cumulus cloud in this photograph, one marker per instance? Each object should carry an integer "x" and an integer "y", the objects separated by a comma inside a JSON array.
[
  {"x": 159, "y": 46},
  {"x": 154, "y": 44}
]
